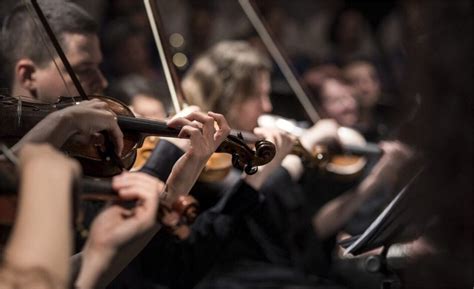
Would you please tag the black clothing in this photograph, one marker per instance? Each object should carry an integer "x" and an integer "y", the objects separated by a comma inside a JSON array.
[
  {"x": 274, "y": 246},
  {"x": 180, "y": 264}
]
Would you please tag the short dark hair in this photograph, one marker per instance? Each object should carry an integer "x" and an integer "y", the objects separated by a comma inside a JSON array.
[{"x": 21, "y": 39}]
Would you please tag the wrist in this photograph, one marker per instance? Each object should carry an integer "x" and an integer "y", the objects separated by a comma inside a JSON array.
[
  {"x": 65, "y": 124},
  {"x": 294, "y": 166},
  {"x": 95, "y": 262}
]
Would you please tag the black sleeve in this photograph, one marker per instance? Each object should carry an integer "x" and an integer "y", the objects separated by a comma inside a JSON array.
[
  {"x": 286, "y": 210},
  {"x": 162, "y": 159},
  {"x": 280, "y": 184},
  {"x": 181, "y": 264}
]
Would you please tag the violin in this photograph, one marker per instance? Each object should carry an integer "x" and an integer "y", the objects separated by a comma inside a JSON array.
[
  {"x": 18, "y": 117},
  {"x": 347, "y": 159},
  {"x": 183, "y": 211},
  {"x": 346, "y": 163},
  {"x": 218, "y": 165},
  {"x": 21, "y": 116}
]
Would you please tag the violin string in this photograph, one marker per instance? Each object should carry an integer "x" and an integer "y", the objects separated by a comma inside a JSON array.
[{"x": 48, "y": 48}]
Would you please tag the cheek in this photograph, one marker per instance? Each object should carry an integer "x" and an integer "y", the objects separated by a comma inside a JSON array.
[
  {"x": 246, "y": 115},
  {"x": 333, "y": 109},
  {"x": 50, "y": 88}
]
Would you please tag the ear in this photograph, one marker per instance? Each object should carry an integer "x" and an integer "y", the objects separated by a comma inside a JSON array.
[{"x": 25, "y": 70}]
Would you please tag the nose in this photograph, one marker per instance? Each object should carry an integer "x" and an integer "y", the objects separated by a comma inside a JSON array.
[
  {"x": 102, "y": 81},
  {"x": 266, "y": 104},
  {"x": 349, "y": 102},
  {"x": 97, "y": 82}
]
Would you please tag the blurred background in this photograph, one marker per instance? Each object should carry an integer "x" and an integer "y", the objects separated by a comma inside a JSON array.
[{"x": 314, "y": 35}]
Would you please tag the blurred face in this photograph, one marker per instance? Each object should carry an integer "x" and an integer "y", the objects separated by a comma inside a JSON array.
[
  {"x": 364, "y": 80},
  {"x": 148, "y": 107},
  {"x": 84, "y": 55},
  {"x": 132, "y": 55},
  {"x": 338, "y": 102},
  {"x": 244, "y": 115}
]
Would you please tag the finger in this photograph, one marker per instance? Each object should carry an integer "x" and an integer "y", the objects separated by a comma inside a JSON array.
[
  {"x": 116, "y": 134},
  {"x": 96, "y": 104},
  {"x": 189, "y": 132},
  {"x": 147, "y": 203},
  {"x": 139, "y": 180},
  {"x": 259, "y": 131},
  {"x": 206, "y": 121},
  {"x": 188, "y": 110},
  {"x": 223, "y": 126},
  {"x": 134, "y": 193},
  {"x": 176, "y": 122}
]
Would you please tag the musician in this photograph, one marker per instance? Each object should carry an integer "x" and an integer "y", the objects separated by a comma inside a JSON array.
[
  {"x": 38, "y": 81},
  {"x": 33, "y": 76},
  {"x": 30, "y": 68},
  {"x": 378, "y": 116},
  {"x": 233, "y": 77}
]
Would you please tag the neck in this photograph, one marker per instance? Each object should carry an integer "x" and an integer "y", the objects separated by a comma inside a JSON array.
[{"x": 25, "y": 94}]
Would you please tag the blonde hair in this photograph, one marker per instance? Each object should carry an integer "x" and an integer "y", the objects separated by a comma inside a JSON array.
[{"x": 224, "y": 76}]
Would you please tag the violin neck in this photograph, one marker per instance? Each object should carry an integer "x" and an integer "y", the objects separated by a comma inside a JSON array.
[
  {"x": 246, "y": 137},
  {"x": 146, "y": 126},
  {"x": 367, "y": 149}
]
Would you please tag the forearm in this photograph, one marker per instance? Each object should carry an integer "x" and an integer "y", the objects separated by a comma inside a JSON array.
[
  {"x": 55, "y": 129},
  {"x": 184, "y": 175},
  {"x": 45, "y": 218},
  {"x": 336, "y": 213},
  {"x": 99, "y": 267}
]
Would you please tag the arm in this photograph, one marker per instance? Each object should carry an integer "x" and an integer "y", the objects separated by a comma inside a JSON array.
[
  {"x": 118, "y": 234},
  {"x": 82, "y": 122},
  {"x": 105, "y": 255},
  {"x": 335, "y": 214},
  {"x": 44, "y": 213},
  {"x": 183, "y": 263}
]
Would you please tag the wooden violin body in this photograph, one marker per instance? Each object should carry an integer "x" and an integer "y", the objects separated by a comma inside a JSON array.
[
  {"x": 18, "y": 117},
  {"x": 345, "y": 161},
  {"x": 184, "y": 209}
]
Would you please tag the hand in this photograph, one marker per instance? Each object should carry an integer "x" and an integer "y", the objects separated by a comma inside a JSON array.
[
  {"x": 206, "y": 133},
  {"x": 88, "y": 118},
  {"x": 116, "y": 226},
  {"x": 283, "y": 143},
  {"x": 324, "y": 131},
  {"x": 395, "y": 156},
  {"x": 387, "y": 169},
  {"x": 183, "y": 144},
  {"x": 118, "y": 234},
  {"x": 205, "y": 137}
]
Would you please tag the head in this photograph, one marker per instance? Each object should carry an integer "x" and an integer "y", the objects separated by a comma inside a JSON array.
[
  {"x": 142, "y": 95},
  {"x": 363, "y": 78},
  {"x": 231, "y": 78},
  {"x": 337, "y": 102},
  {"x": 30, "y": 69},
  {"x": 127, "y": 47},
  {"x": 332, "y": 94},
  {"x": 348, "y": 28}
]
